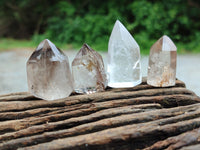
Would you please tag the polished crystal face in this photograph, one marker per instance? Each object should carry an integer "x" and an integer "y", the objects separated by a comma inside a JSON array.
[
  {"x": 88, "y": 71},
  {"x": 48, "y": 72},
  {"x": 123, "y": 58},
  {"x": 162, "y": 63}
]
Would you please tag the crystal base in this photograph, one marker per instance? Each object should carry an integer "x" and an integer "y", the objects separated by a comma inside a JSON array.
[
  {"x": 124, "y": 84},
  {"x": 87, "y": 90}
]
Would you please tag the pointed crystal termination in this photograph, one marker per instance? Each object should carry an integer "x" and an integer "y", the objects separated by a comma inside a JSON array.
[
  {"x": 162, "y": 63},
  {"x": 48, "y": 72},
  {"x": 123, "y": 59},
  {"x": 88, "y": 71}
]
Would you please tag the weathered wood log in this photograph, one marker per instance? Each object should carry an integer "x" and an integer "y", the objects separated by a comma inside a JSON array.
[
  {"x": 94, "y": 126},
  {"x": 192, "y": 147},
  {"x": 99, "y": 97},
  {"x": 114, "y": 138},
  {"x": 18, "y": 124},
  {"x": 185, "y": 139},
  {"x": 131, "y": 118}
]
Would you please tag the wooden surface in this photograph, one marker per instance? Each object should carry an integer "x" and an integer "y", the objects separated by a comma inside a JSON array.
[{"x": 142, "y": 117}]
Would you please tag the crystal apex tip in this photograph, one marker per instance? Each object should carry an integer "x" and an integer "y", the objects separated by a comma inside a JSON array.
[
  {"x": 168, "y": 44},
  {"x": 117, "y": 22},
  {"x": 85, "y": 45},
  {"x": 165, "y": 37}
]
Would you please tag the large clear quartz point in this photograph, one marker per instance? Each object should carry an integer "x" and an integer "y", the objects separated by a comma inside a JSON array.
[
  {"x": 162, "y": 63},
  {"x": 88, "y": 71},
  {"x": 48, "y": 73},
  {"x": 124, "y": 69}
]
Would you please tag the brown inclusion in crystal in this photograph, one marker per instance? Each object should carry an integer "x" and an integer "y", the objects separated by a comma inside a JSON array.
[
  {"x": 88, "y": 71},
  {"x": 162, "y": 63},
  {"x": 48, "y": 72}
]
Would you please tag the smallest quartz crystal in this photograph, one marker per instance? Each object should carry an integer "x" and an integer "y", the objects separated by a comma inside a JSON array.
[
  {"x": 162, "y": 63},
  {"x": 88, "y": 71}
]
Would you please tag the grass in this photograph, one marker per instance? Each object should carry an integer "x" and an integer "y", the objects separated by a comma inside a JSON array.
[
  {"x": 11, "y": 44},
  {"x": 192, "y": 48},
  {"x": 8, "y": 44}
]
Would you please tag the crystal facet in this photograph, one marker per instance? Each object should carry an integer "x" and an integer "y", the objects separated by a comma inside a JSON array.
[
  {"x": 162, "y": 63},
  {"x": 88, "y": 71},
  {"x": 123, "y": 58},
  {"x": 48, "y": 72}
]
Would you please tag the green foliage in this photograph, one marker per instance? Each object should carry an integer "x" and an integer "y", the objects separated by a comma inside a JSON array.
[
  {"x": 74, "y": 26},
  {"x": 146, "y": 20},
  {"x": 162, "y": 17},
  {"x": 75, "y": 22}
]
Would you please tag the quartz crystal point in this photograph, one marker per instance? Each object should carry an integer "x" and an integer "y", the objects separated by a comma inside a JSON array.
[
  {"x": 48, "y": 73},
  {"x": 123, "y": 59},
  {"x": 162, "y": 63},
  {"x": 88, "y": 71}
]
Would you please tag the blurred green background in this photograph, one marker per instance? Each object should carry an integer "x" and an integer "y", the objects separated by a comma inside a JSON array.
[{"x": 70, "y": 23}]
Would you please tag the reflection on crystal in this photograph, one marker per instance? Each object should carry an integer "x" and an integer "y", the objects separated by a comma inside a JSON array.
[
  {"x": 162, "y": 63},
  {"x": 48, "y": 72},
  {"x": 88, "y": 71},
  {"x": 123, "y": 58}
]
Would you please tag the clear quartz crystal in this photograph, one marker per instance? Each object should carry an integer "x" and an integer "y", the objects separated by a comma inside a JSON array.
[
  {"x": 124, "y": 69},
  {"x": 88, "y": 71},
  {"x": 48, "y": 73},
  {"x": 162, "y": 63}
]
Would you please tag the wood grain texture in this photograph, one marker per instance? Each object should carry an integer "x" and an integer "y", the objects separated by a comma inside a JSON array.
[{"x": 142, "y": 117}]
